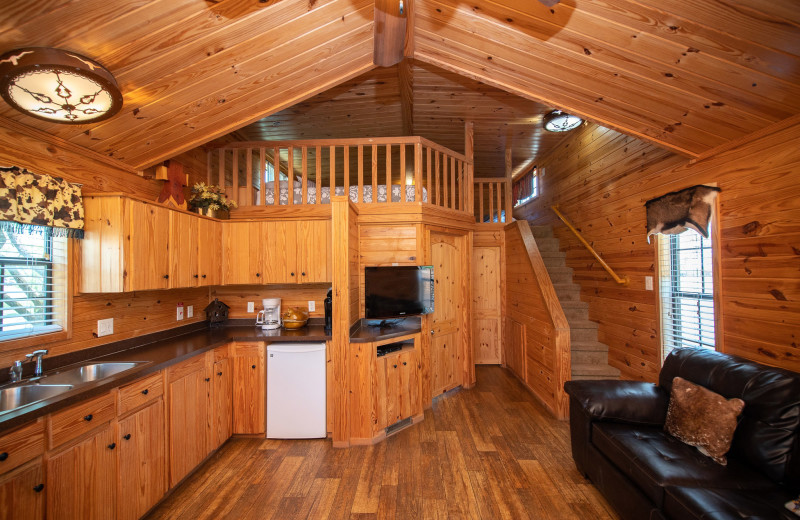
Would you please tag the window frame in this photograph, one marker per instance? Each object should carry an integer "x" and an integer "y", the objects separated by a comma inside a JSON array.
[
  {"x": 716, "y": 272},
  {"x": 534, "y": 173},
  {"x": 64, "y": 271}
]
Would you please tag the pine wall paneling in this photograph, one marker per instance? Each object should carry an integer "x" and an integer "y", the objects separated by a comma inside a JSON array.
[
  {"x": 601, "y": 180},
  {"x": 237, "y": 296}
]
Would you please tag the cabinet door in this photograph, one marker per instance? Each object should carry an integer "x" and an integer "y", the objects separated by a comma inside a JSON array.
[
  {"x": 182, "y": 250},
  {"x": 142, "y": 479},
  {"x": 409, "y": 400},
  {"x": 209, "y": 251},
  {"x": 147, "y": 246},
  {"x": 81, "y": 480},
  {"x": 21, "y": 493},
  {"x": 515, "y": 347},
  {"x": 223, "y": 401},
  {"x": 242, "y": 252},
  {"x": 249, "y": 389},
  {"x": 314, "y": 250},
  {"x": 280, "y": 249},
  {"x": 189, "y": 423}
]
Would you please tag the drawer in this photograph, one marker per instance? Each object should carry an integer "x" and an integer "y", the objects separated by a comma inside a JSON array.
[
  {"x": 184, "y": 368},
  {"x": 222, "y": 353},
  {"x": 79, "y": 419},
  {"x": 139, "y": 392},
  {"x": 21, "y": 445}
]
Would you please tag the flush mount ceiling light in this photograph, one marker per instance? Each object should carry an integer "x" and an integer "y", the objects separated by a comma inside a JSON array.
[
  {"x": 558, "y": 121},
  {"x": 58, "y": 86}
]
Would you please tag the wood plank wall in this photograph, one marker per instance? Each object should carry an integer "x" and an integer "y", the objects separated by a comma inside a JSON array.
[
  {"x": 237, "y": 296},
  {"x": 601, "y": 180},
  {"x": 353, "y": 260}
]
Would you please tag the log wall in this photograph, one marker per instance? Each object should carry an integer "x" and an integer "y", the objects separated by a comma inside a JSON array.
[{"x": 601, "y": 180}]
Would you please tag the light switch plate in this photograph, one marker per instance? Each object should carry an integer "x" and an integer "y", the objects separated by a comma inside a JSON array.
[
  {"x": 648, "y": 283},
  {"x": 312, "y": 305},
  {"x": 251, "y": 307},
  {"x": 180, "y": 312},
  {"x": 105, "y": 327},
  {"x": 190, "y": 311}
]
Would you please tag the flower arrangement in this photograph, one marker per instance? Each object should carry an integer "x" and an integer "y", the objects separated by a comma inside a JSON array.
[{"x": 210, "y": 198}]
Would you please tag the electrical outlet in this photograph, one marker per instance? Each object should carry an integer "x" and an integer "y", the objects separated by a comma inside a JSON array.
[
  {"x": 105, "y": 327},
  {"x": 190, "y": 311},
  {"x": 648, "y": 283},
  {"x": 180, "y": 312},
  {"x": 395, "y": 263},
  {"x": 251, "y": 307},
  {"x": 312, "y": 305}
]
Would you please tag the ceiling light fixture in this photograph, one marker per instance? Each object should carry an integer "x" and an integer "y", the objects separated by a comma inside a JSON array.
[
  {"x": 558, "y": 121},
  {"x": 58, "y": 86}
]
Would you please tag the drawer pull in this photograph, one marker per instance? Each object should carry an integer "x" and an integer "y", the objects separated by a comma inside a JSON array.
[
  {"x": 292, "y": 274},
  {"x": 145, "y": 391},
  {"x": 88, "y": 417},
  {"x": 166, "y": 277},
  {"x": 127, "y": 437},
  {"x": 219, "y": 373},
  {"x": 404, "y": 363},
  {"x": 112, "y": 445},
  {"x": 38, "y": 488},
  {"x": 196, "y": 276},
  {"x": 252, "y": 366},
  {"x": 258, "y": 275},
  {"x": 3, "y": 456},
  {"x": 395, "y": 366},
  {"x": 204, "y": 276},
  {"x": 303, "y": 273},
  {"x": 208, "y": 379}
]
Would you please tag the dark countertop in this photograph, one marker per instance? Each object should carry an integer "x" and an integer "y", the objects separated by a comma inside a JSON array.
[
  {"x": 156, "y": 351},
  {"x": 361, "y": 332}
]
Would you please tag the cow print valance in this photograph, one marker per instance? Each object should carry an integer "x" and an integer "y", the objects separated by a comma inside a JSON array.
[
  {"x": 34, "y": 203},
  {"x": 674, "y": 212}
]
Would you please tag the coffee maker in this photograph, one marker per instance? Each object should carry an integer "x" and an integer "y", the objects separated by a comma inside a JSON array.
[{"x": 270, "y": 317}]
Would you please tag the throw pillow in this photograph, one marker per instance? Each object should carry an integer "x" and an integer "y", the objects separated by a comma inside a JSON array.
[
  {"x": 702, "y": 418},
  {"x": 793, "y": 506}
]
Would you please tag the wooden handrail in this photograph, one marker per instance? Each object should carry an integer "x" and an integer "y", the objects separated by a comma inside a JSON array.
[{"x": 619, "y": 279}]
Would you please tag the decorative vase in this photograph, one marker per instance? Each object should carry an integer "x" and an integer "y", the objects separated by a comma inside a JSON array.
[{"x": 207, "y": 212}]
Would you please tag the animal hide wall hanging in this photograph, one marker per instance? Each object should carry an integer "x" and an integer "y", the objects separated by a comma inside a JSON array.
[{"x": 674, "y": 212}]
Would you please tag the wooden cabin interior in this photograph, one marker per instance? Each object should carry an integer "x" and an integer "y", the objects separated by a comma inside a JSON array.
[{"x": 356, "y": 133}]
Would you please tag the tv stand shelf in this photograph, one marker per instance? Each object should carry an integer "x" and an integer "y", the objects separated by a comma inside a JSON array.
[{"x": 361, "y": 332}]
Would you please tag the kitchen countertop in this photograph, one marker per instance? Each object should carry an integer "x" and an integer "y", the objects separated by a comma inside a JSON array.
[
  {"x": 361, "y": 332},
  {"x": 156, "y": 353}
]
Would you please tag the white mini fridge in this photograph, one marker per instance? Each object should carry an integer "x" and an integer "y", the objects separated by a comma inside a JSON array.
[{"x": 296, "y": 391}]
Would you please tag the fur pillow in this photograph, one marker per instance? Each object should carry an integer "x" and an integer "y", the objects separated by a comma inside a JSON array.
[{"x": 702, "y": 418}]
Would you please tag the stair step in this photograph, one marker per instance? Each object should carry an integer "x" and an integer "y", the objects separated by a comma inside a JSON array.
[
  {"x": 581, "y": 334},
  {"x": 575, "y": 313},
  {"x": 553, "y": 254},
  {"x": 542, "y": 232},
  {"x": 589, "y": 357},
  {"x": 567, "y": 291},
  {"x": 554, "y": 262},
  {"x": 589, "y": 346},
  {"x": 547, "y": 244},
  {"x": 593, "y": 371}
]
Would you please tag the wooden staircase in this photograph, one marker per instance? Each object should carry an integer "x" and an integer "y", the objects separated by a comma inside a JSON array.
[{"x": 589, "y": 356}]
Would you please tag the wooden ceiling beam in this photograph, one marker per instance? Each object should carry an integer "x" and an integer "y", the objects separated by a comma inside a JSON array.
[
  {"x": 405, "y": 78},
  {"x": 389, "y": 32}
]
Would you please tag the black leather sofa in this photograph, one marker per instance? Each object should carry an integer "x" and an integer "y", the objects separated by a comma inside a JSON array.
[{"x": 619, "y": 443}]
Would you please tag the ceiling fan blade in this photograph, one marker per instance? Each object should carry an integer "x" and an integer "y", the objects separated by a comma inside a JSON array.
[{"x": 389, "y": 33}]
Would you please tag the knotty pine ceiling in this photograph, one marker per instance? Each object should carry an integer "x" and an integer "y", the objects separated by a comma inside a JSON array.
[{"x": 688, "y": 75}]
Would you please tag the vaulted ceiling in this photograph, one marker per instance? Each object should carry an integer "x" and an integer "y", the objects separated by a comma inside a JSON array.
[{"x": 689, "y": 75}]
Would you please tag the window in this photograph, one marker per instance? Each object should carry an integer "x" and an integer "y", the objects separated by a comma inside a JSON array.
[
  {"x": 526, "y": 188},
  {"x": 686, "y": 288},
  {"x": 33, "y": 284},
  {"x": 269, "y": 173}
]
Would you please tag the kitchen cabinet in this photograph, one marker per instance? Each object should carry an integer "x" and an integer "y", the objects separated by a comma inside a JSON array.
[
  {"x": 314, "y": 251},
  {"x": 189, "y": 412},
  {"x": 249, "y": 387},
  {"x": 396, "y": 388},
  {"x": 281, "y": 252},
  {"x": 183, "y": 250},
  {"x": 223, "y": 399},
  {"x": 147, "y": 248},
  {"x": 243, "y": 246},
  {"x": 81, "y": 479},
  {"x": 22, "y": 493},
  {"x": 142, "y": 479},
  {"x": 209, "y": 252}
]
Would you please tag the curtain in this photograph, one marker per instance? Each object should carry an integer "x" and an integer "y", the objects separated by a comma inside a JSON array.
[
  {"x": 34, "y": 203},
  {"x": 523, "y": 187}
]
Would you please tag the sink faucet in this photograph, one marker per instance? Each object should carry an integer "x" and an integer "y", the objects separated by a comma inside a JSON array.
[
  {"x": 16, "y": 371},
  {"x": 38, "y": 354}
]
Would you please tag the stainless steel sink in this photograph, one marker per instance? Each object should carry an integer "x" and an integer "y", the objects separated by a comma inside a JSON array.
[
  {"x": 89, "y": 373},
  {"x": 21, "y": 395}
]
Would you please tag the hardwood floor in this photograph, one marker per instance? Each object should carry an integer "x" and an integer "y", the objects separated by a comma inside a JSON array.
[{"x": 490, "y": 452}]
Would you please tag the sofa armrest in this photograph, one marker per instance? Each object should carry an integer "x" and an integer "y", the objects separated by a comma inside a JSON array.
[{"x": 633, "y": 402}]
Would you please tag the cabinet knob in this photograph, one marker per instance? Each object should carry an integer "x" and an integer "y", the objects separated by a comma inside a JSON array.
[
  {"x": 127, "y": 437},
  {"x": 3, "y": 456},
  {"x": 145, "y": 391},
  {"x": 197, "y": 276},
  {"x": 252, "y": 366},
  {"x": 395, "y": 366},
  {"x": 88, "y": 417},
  {"x": 303, "y": 273},
  {"x": 404, "y": 363},
  {"x": 204, "y": 276},
  {"x": 219, "y": 373},
  {"x": 208, "y": 379},
  {"x": 258, "y": 275},
  {"x": 112, "y": 445},
  {"x": 292, "y": 274},
  {"x": 38, "y": 488},
  {"x": 166, "y": 276}
]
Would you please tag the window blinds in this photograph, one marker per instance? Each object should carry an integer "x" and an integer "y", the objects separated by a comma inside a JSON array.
[
  {"x": 687, "y": 291},
  {"x": 33, "y": 283}
]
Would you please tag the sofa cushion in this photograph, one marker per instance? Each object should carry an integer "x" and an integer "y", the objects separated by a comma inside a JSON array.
[
  {"x": 702, "y": 418},
  {"x": 633, "y": 402},
  {"x": 767, "y": 431},
  {"x": 652, "y": 458},
  {"x": 718, "y": 504}
]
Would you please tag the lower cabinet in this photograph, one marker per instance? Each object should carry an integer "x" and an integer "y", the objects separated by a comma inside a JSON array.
[
  {"x": 396, "y": 390},
  {"x": 81, "y": 479},
  {"x": 142, "y": 478},
  {"x": 249, "y": 387},
  {"x": 223, "y": 400},
  {"x": 22, "y": 493}
]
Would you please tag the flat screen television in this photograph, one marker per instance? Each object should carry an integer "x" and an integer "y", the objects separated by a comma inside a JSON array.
[{"x": 398, "y": 291}]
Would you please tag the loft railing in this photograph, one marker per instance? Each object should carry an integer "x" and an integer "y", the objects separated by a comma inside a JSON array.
[
  {"x": 309, "y": 172},
  {"x": 492, "y": 200},
  {"x": 623, "y": 280}
]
